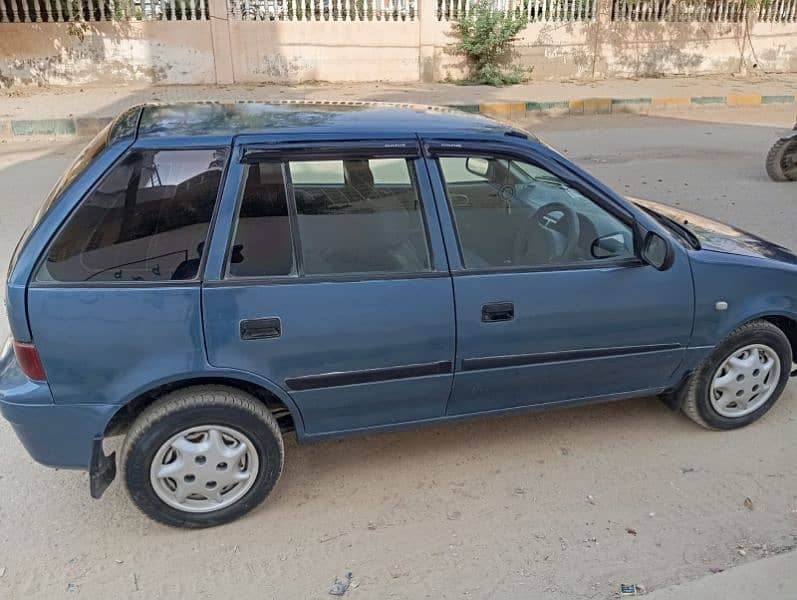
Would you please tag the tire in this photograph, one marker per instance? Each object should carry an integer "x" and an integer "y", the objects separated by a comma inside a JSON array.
[
  {"x": 698, "y": 405},
  {"x": 776, "y": 160},
  {"x": 248, "y": 432}
]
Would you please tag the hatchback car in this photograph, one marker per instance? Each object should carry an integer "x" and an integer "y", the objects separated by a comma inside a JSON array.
[{"x": 207, "y": 277}]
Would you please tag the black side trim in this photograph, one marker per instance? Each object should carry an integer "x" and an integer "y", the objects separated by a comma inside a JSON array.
[
  {"x": 401, "y": 148},
  {"x": 516, "y": 360},
  {"x": 311, "y": 382}
]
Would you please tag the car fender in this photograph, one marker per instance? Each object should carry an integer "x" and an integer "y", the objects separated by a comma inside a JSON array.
[{"x": 211, "y": 373}]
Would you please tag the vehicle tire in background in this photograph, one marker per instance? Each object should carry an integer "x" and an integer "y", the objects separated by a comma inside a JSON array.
[
  {"x": 741, "y": 380},
  {"x": 782, "y": 160},
  {"x": 202, "y": 456}
]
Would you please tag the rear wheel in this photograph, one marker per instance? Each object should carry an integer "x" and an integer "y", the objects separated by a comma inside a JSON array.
[
  {"x": 782, "y": 160},
  {"x": 741, "y": 380},
  {"x": 202, "y": 456}
]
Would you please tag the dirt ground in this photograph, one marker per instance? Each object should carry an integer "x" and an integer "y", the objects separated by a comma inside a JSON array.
[{"x": 564, "y": 504}]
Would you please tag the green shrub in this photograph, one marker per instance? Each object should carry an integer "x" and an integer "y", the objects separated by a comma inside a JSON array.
[{"x": 485, "y": 38}]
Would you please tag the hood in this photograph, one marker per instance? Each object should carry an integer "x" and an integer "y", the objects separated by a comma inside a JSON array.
[{"x": 720, "y": 237}]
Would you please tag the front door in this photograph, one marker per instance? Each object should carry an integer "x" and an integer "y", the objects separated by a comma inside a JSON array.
[
  {"x": 334, "y": 284},
  {"x": 552, "y": 304}
]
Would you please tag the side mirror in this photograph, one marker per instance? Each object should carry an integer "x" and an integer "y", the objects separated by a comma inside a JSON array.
[
  {"x": 477, "y": 165},
  {"x": 656, "y": 251},
  {"x": 611, "y": 246}
]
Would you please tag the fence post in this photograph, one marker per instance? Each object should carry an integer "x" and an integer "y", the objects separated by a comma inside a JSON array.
[
  {"x": 428, "y": 26},
  {"x": 220, "y": 37}
]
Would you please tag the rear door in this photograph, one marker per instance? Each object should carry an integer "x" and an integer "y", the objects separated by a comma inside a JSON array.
[{"x": 328, "y": 277}]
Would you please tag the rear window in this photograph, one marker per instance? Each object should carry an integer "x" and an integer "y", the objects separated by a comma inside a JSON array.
[
  {"x": 147, "y": 220},
  {"x": 345, "y": 216}
]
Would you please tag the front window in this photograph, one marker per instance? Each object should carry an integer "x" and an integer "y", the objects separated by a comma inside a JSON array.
[{"x": 511, "y": 213}]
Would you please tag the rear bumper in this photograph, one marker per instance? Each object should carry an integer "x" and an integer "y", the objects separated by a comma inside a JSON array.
[{"x": 53, "y": 434}]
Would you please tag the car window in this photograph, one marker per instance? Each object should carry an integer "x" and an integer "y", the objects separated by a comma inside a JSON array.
[
  {"x": 146, "y": 220},
  {"x": 515, "y": 214},
  {"x": 262, "y": 242},
  {"x": 370, "y": 222}
]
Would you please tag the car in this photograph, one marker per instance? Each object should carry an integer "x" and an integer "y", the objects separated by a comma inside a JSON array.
[{"x": 208, "y": 277}]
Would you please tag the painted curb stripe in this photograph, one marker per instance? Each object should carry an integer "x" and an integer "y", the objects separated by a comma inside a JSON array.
[
  {"x": 708, "y": 99},
  {"x": 778, "y": 99},
  {"x": 43, "y": 127},
  {"x": 624, "y": 101}
]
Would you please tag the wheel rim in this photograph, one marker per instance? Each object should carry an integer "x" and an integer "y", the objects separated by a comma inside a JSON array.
[
  {"x": 204, "y": 468},
  {"x": 745, "y": 380}
]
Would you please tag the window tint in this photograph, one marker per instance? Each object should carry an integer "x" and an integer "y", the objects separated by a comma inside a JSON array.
[
  {"x": 518, "y": 215},
  {"x": 147, "y": 220},
  {"x": 370, "y": 221},
  {"x": 262, "y": 243}
]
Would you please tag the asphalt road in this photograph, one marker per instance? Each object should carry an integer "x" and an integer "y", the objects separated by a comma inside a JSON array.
[{"x": 566, "y": 504}]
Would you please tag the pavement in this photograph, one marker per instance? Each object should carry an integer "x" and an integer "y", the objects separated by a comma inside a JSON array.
[
  {"x": 562, "y": 505},
  {"x": 83, "y": 110}
]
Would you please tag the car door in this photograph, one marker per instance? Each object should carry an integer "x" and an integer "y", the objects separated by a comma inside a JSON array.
[
  {"x": 328, "y": 277},
  {"x": 552, "y": 304}
]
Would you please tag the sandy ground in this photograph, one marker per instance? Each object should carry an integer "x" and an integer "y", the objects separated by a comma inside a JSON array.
[{"x": 563, "y": 504}]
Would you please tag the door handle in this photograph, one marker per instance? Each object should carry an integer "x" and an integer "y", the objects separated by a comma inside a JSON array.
[
  {"x": 260, "y": 329},
  {"x": 498, "y": 311}
]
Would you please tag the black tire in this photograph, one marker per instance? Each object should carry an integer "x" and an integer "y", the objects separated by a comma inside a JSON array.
[
  {"x": 697, "y": 404},
  {"x": 777, "y": 160},
  {"x": 198, "y": 406}
]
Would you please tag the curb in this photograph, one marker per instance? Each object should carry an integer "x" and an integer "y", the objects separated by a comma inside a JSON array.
[
  {"x": 518, "y": 110},
  {"x": 607, "y": 106}
]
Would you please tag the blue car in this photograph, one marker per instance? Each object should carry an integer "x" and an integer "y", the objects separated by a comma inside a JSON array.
[{"x": 207, "y": 277}]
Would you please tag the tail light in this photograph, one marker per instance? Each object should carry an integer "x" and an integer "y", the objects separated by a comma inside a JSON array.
[{"x": 29, "y": 361}]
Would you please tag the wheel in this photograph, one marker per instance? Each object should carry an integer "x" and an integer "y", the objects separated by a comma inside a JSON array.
[
  {"x": 202, "y": 456},
  {"x": 741, "y": 380},
  {"x": 782, "y": 160}
]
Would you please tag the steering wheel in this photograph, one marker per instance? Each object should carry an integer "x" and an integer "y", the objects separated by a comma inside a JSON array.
[{"x": 541, "y": 233}]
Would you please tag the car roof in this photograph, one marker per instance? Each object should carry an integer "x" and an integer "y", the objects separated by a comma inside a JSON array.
[{"x": 370, "y": 119}]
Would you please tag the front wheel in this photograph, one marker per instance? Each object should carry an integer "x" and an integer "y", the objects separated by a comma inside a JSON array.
[
  {"x": 782, "y": 160},
  {"x": 202, "y": 456},
  {"x": 741, "y": 380}
]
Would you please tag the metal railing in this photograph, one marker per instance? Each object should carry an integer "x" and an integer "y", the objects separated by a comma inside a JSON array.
[
  {"x": 322, "y": 10},
  {"x": 701, "y": 11},
  {"x": 778, "y": 11},
  {"x": 72, "y": 11},
  {"x": 534, "y": 10}
]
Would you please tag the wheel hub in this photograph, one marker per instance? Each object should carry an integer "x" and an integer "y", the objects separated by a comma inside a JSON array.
[
  {"x": 745, "y": 380},
  {"x": 204, "y": 468}
]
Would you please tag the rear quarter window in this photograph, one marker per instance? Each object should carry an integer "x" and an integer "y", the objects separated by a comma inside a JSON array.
[{"x": 146, "y": 220}]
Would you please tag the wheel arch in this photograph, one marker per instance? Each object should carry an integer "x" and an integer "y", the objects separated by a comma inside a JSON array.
[
  {"x": 278, "y": 402},
  {"x": 788, "y": 325}
]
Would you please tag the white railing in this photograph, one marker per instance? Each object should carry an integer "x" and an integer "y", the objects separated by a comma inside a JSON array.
[
  {"x": 534, "y": 10},
  {"x": 705, "y": 11},
  {"x": 322, "y": 10},
  {"x": 71, "y": 11},
  {"x": 778, "y": 11}
]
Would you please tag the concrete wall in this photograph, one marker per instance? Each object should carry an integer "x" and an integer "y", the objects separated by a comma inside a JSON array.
[
  {"x": 153, "y": 51},
  {"x": 226, "y": 51}
]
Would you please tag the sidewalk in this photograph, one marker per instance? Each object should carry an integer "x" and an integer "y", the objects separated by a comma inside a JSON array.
[
  {"x": 772, "y": 578},
  {"x": 81, "y": 110}
]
